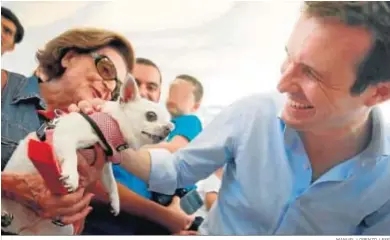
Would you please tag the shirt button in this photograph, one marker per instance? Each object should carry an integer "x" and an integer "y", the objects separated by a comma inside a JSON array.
[{"x": 298, "y": 193}]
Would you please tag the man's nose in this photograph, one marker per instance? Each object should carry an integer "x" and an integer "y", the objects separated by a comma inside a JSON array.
[
  {"x": 143, "y": 91},
  {"x": 289, "y": 80}
]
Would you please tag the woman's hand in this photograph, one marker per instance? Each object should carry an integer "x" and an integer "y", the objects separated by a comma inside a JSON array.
[
  {"x": 178, "y": 221},
  {"x": 87, "y": 106},
  {"x": 31, "y": 190}
]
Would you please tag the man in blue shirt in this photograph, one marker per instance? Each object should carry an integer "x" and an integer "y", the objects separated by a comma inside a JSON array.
[{"x": 315, "y": 162}]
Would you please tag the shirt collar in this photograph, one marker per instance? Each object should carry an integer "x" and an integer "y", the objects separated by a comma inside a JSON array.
[
  {"x": 380, "y": 141},
  {"x": 377, "y": 150},
  {"x": 29, "y": 91}
]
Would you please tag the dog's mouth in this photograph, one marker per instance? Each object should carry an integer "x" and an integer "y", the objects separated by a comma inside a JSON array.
[{"x": 155, "y": 138}]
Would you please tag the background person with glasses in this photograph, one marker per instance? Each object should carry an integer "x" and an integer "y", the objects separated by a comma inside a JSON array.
[{"x": 79, "y": 64}]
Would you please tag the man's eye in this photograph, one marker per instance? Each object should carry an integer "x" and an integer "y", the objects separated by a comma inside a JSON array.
[
  {"x": 152, "y": 88},
  {"x": 308, "y": 72},
  {"x": 7, "y": 31}
]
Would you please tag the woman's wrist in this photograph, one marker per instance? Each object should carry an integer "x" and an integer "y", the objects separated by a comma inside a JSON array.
[{"x": 17, "y": 187}]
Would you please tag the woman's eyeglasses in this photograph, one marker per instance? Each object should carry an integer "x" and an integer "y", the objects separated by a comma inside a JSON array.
[{"x": 107, "y": 71}]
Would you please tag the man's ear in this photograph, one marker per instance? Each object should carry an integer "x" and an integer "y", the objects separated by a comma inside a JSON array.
[
  {"x": 196, "y": 106},
  {"x": 381, "y": 93},
  {"x": 67, "y": 57},
  {"x": 129, "y": 91}
]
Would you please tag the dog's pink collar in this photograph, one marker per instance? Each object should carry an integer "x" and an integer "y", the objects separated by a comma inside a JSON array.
[
  {"x": 112, "y": 134},
  {"x": 108, "y": 126}
]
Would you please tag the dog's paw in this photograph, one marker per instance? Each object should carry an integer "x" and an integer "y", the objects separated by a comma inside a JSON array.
[
  {"x": 115, "y": 208},
  {"x": 6, "y": 219},
  {"x": 70, "y": 182},
  {"x": 114, "y": 212}
]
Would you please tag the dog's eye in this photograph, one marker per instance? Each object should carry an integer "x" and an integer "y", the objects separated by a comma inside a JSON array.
[{"x": 151, "y": 116}]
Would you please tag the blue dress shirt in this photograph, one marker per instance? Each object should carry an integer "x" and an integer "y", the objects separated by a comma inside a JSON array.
[{"x": 267, "y": 185}]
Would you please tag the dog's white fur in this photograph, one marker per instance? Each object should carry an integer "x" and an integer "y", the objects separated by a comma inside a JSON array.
[{"x": 73, "y": 132}]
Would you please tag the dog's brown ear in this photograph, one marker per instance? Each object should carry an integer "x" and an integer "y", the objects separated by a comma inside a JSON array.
[{"x": 129, "y": 91}]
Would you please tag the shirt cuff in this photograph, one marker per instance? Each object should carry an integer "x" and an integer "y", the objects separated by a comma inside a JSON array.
[
  {"x": 212, "y": 184},
  {"x": 163, "y": 174}
]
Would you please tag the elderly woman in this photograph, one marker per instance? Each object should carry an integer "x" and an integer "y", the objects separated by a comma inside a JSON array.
[{"x": 77, "y": 66}]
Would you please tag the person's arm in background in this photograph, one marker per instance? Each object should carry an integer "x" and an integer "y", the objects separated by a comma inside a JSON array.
[
  {"x": 175, "y": 144},
  {"x": 211, "y": 187},
  {"x": 210, "y": 199},
  {"x": 210, "y": 150},
  {"x": 135, "y": 204},
  {"x": 186, "y": 129}
]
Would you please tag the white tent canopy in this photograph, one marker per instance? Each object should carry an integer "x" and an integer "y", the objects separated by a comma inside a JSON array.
[{"x": 234, "y": 48}]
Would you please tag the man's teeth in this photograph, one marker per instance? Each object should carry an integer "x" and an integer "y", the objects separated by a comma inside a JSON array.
[{"x": 299, "y": 105}]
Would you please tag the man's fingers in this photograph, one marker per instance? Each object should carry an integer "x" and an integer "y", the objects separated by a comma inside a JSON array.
[
  {"x": 76, "y": 217},
  {"x": 73, "y": 108},
  {"x": 76, "y": 208}
]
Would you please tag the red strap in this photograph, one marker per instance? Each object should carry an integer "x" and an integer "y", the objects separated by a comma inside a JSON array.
[
  {"x": 41, "y": 155},
  {"x": 50, "y": 114}
]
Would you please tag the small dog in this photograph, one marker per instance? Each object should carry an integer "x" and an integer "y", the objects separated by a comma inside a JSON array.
[{"x": 140, "y": 122}]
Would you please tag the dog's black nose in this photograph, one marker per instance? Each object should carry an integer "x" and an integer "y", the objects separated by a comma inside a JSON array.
[{"x": 167, "y": 131}]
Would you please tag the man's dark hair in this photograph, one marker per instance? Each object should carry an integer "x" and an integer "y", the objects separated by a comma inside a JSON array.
[
  {"x": 198, "y": 92},
  {"x": 374, "y": 16},
  {"x": 8, "y": 14},
  {"x": 147, "y": 62}
]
